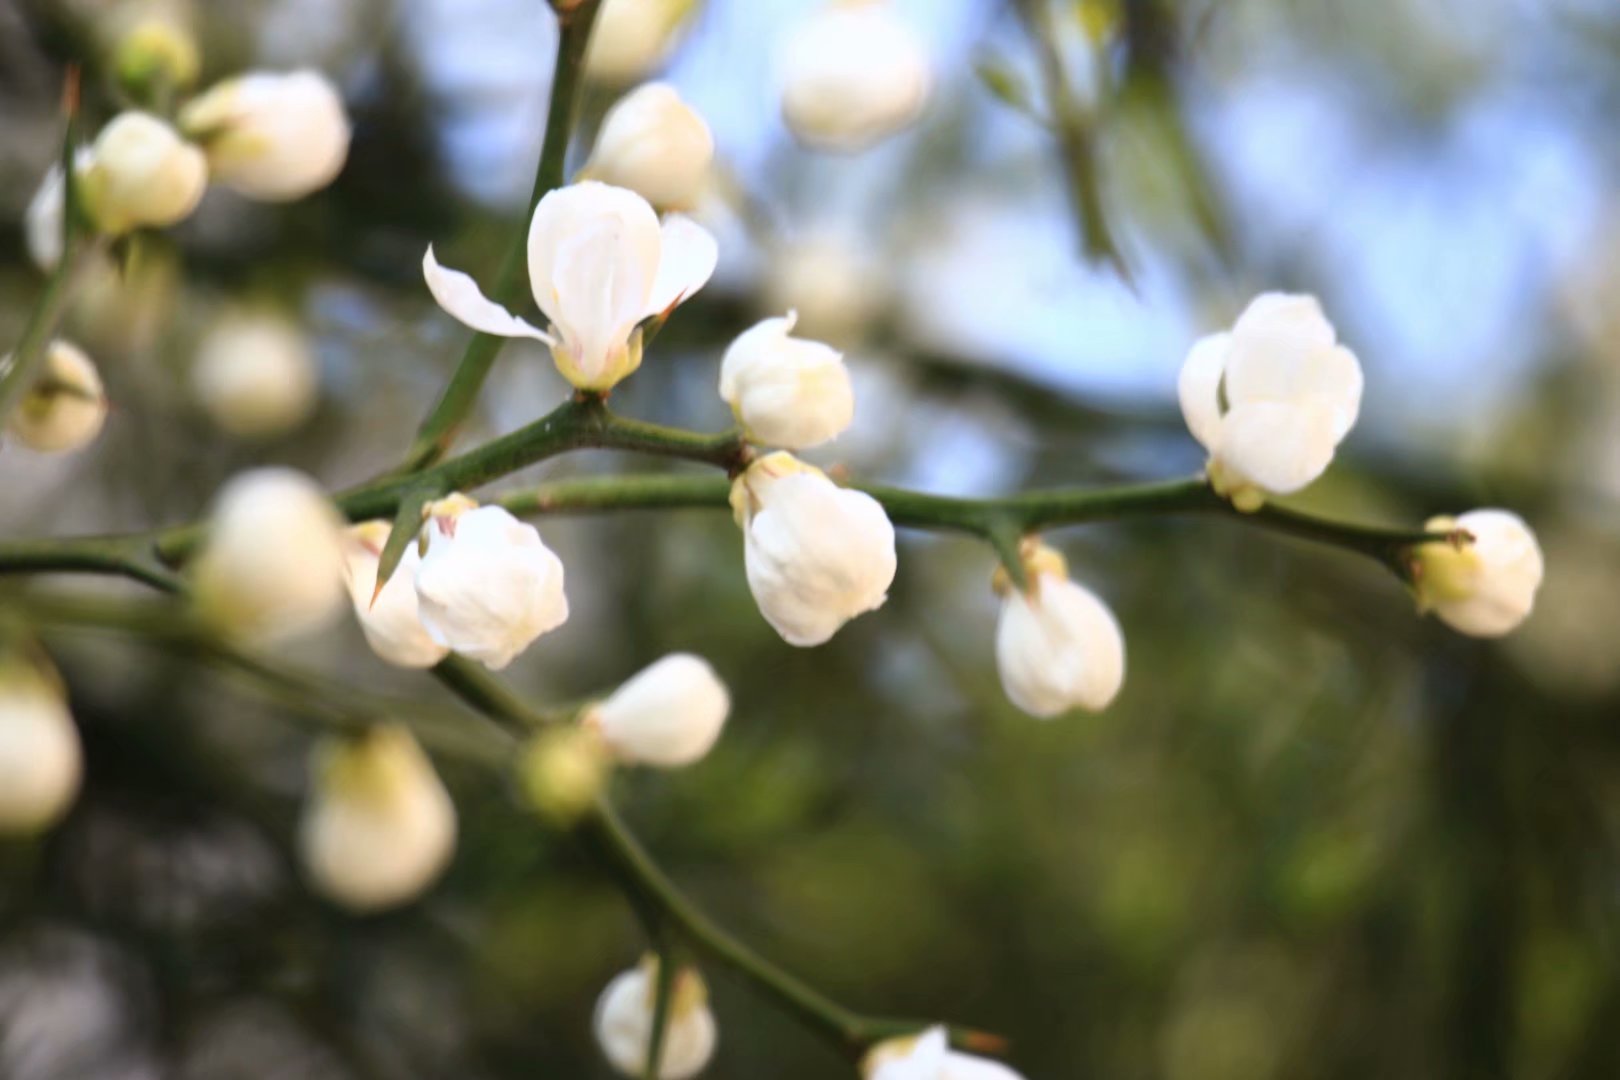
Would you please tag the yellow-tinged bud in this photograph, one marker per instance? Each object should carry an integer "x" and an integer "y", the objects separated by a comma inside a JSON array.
[
  {"x": 156, "y": 52},
  {"x": 40, "y": 757},
  {"x": 562, "y": 771},
  {"x": 66, "y": 407},
  {"x": 141, "y": 173}
]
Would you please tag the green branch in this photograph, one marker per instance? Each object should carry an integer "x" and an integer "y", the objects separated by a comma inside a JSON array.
[{"x": 438, "y": 430}]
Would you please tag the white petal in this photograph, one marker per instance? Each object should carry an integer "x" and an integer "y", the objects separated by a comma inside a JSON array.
[
  {"x": 668, "y": 715},
  {"x": 1280, "y": 448},
  {"x": 459, "y": 295},
  {"x": 594, "y": 214},
  {"x": 1200, "y": 387},
  {"x": 1059, "y": 650},
  {"x": 687, "y": 260},
  {"x": 1508, "y": 571}
]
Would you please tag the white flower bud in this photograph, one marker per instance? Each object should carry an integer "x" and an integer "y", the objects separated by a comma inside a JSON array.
[
  {"x": 40, "y": 758},
  {"x": 66, "y": 407},
  {"x": 488, "y": 586},
  {"x": 42, "y": 221},
  {"x": 852, "y": 74},
  {"x": 837, "y": 286},
  {"x": 656, "y": 145},
  {"x": 817, "y": 555},
  {"x": 1486, "y": 587},
  {"x": 141, "y": 173},
  {"x": 388, "y": 618},
  {"x": 668, "y": 715},
  {"x": 1291, "y": 395},
  {"x": 929, "y": 1057},
  {"x": 599, "y": 263},
  {"x": 255, "y": 375},
  {"x": 786, "y": 391},
  {"x": 272, "y": 565},
  {"x": 1058, "y": 646},
  {"x": 274, "y": 136},
  {"x": 631, "y": 37},
  {"x": 155, "y": 50},
  {"x": 378, "y": 827},
  {"x": 624, "y": 1022}
]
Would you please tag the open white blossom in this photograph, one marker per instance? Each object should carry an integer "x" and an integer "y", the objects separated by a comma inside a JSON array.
[
  {"x": 624, "y": 1020},
  {"x": 1486, "y": 587},
  {"x": 271, "y": 567},
  {"x": 632, "y": 37},
  {"x": 929, "y": 1057},
  {"x": 254, "y": 374},
  {"x": 851, "y": 75},
  {"x": 488, "y": 586},
  {"x": 274, "y": 136},
  {"x": 1058, "y": 647},
  {"x": 66, "y": 407},
  {"x": 786, "y": 391},
  {"x": 1291, "y": 394},
  {"x": 141, "y": 173},
  {"x": 599, "y": 264},
  {"x": 656, "y": 145},
  {"x": 817, "y": 555},
  {"x": 378, "y": 827},
  {"x": 40, "y": 758},
  {"x": 388, "y": 618},
  {"x": 668, "y": 715}
]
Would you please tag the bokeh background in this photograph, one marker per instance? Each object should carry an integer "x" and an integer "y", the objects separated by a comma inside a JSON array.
[{"x": 1316, "y": 836}]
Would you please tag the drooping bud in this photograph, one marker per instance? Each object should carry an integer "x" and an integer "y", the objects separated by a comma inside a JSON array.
[
  {"x": 273, "y": 136},
  {"x": 141, "y": 174},
  {"x": 632, "y": 37},
  {"x": 562, "y": 771},
  {"x": 272, "y": 565},
  {"x": 1484, "y": 586},
  {"x": 378, "y": 827},
  {"x": 40, "y": 757},
  {"x": 254, "y": 375},
  {"x": 929, "y": 1056},
  {"x": 852, "y": 75},
  {"x": 786, "y": 391},
  {"x": 624, "y": 1023},
  {"x": 66, "y": 407},
  {"x": 668, "y": 715},
  {"x": 656, "y": 145},
  {"x": 1058, "y": 647},
  {"x": 388, "y": 618}
]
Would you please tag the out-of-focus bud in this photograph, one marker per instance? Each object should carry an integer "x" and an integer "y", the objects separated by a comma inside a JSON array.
[
  {"x": 388, "y": 618},
  {"x": 40, "y": 758},
  {"x": 255, "y": 375},
  {"x": 656, "y": 145},
  {"x": 668, "y": 715},
  {"x": 156, "y": 53},
  {"x": 852, "y": 74},
  {"x": 378, "y": 828},
  {"x": 66, "y": 407},
  {"x": 1058, "y": 646},
  {"x": 272, "y": 565},
  {"x": 274, "y": 136},
  {"x": 836, "y": 286},
  {"x": 141, "y": 174},
  {"x": 562, "y": 771},
  {"x": 1485, "y": 587},
  {"x": 42, "y": 221},
  {"x": 631, "y": 37},
  {"x": 929, "y": 1057},
  {"x": 786, "y": 391},
  {"x": 488, "y": 585},
  {"x": 817, "y": 555},
  {"x": 624, "y": 1023}
]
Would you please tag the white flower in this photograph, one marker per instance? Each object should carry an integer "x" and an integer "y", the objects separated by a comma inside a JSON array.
[
  {"x": 624, "y": 1020},
  {"x": 851, "y": 75},
  {"x": 599, "y": 264},
  {"x": 388, "y": 618},
  {"x": 656, "y": 145},
  {"x": 668, "y": 715},
  {"x": 488, "y": 586},
  {"x": 66, "y": 407},
  {"x": 817, "y": 555},
  {"x": 631, "y": 37},
  {"x": 835, "y": 284},
  {"x": 272, "y": 565},
  {"x": 141, "y": 173},
  {"x": 40, "y": 758},
  {"x": 378, "y": 827},
  {"x": 1291, "y": 395},
  {"x": 255, "y": 375},
  {"x": 786, "y": 391},
  {"x": 929, "y": 1057},
  {"x": 1484, "y": 588},
  {"x": 275, "y": 136},
  {"x": 1058, "y": 647},
  {"x": 42, "y": 221}
]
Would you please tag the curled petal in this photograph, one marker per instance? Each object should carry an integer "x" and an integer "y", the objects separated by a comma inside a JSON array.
[
  {"x": 1200, "y": 387},
  {"x": 459, "y": 295},
  {"x": 689, "y": 257}
]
